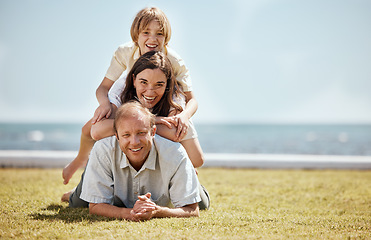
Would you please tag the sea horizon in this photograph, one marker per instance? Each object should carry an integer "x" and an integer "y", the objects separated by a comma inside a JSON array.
[{"x": 247, "y": 138}]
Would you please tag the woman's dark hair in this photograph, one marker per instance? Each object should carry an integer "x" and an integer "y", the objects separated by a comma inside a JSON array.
[{"x": 154, "y": 60}]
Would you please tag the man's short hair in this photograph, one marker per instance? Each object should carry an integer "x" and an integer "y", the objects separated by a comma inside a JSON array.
[{"x": 131, "y": 109}]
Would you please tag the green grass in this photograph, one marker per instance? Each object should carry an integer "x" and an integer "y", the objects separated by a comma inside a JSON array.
[{"x": 245, "y": 204}]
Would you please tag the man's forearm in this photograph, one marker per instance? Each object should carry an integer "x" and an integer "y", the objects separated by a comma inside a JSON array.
[
  {"x": 107, "y": 210},
  {"x": 191, "y": 210}
]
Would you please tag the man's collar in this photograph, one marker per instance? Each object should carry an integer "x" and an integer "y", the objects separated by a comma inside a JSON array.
[{"x": 150, "y": 162}]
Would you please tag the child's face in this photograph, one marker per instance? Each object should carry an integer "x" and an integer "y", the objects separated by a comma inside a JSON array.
[{"x": 151, "y": 38}]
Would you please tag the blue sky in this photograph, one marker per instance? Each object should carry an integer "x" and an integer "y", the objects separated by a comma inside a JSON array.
[{"x": 259, "y": 61}]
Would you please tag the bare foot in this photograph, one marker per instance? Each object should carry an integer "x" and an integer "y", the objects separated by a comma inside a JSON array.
[
  {"x": 71, "y": 168},
  {"x": 66, "y": 196}
]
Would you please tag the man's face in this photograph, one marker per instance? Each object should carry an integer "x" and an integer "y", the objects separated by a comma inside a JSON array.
[{"x": 135, "y": 137}]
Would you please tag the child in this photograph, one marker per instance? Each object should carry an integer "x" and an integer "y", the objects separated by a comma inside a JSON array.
[{"x": 150, "y": 31}]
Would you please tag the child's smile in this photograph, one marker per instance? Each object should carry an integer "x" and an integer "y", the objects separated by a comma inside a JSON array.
[{"x": 151, "y": 38}]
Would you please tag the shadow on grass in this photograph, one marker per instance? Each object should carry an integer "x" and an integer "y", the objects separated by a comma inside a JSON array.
[{"x": 69, "y": 215}]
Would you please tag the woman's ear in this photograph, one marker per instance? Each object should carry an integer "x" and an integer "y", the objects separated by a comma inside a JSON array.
[{"x": 134, "y": 82}]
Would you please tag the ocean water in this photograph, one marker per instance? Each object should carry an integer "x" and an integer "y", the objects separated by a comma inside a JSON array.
[{"x": 214, "y": 138}]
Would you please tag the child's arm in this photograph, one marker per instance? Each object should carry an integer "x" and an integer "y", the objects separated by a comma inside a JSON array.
[{"x": 104, "y": 109}]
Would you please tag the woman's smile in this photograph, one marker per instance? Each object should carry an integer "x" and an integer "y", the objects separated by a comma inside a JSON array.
[{"x": 150, "y": 85}]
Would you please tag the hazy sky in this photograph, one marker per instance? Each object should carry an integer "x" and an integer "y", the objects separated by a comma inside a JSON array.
[{"x": 251, "y": 61}]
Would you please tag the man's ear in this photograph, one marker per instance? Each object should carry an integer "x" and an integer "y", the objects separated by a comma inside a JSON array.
[{"x": 153, "y": 131}]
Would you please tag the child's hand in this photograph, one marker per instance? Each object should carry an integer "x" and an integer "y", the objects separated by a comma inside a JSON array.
[{"x": 103, "y": 111}]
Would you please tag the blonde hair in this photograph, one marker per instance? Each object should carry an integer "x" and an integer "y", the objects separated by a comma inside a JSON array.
[
  {"x": 131, "y": 109},
  {"x": 144, "y": 17}
]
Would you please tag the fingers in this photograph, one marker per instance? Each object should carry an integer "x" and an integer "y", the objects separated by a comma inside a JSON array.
[
  {"x": 166, "y": 123},
  {"x": 181, "y": 133},
  {"x": 145, "y": 197}
]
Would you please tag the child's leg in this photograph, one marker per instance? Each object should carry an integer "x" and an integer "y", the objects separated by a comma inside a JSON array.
[
  {"x": 104, "y": 128},
  {"x": 86, "y": 144},
  {"x": 194, "y": 151}
]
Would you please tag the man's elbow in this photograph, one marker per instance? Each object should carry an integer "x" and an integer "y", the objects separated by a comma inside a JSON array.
[
  {"x": 196, "y": 212},
  {"x": 92, "y": 208}
]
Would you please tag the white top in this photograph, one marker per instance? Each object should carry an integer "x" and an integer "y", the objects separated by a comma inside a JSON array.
[
  {"x": 167, "y": 174},
  {"x": 126, "y": 55}
]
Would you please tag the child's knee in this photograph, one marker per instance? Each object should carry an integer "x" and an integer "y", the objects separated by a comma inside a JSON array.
[
  {"x": 95, "y": 134},
  {"x": 86, "y": 129}
]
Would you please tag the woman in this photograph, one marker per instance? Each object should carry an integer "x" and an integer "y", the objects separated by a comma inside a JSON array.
[{"x": 150, "y": 82}]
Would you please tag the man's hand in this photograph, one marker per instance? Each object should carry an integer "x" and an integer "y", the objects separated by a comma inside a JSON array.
[{"x": 144, "y": 208}]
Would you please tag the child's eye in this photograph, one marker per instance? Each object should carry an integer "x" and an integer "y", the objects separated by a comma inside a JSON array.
[{"x": 160, "y": 33}]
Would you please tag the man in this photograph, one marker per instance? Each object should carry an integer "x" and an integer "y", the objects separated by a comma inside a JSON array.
[{"x": 136, "y": 175}]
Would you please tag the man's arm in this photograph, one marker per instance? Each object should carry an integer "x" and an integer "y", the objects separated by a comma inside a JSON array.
[
  {"x": 143, "y": 210},
  {"x": 190, "y": 210},
  {"x": 107, "y": 210}
]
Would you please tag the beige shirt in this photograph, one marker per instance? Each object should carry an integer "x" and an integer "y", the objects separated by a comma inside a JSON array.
[{"x": 126, "y": 55}]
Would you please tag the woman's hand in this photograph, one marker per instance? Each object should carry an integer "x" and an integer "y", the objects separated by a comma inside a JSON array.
[{"x": 182, "y": 124}]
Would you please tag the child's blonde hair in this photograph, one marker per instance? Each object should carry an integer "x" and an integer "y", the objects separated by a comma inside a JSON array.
[{"x": 144, "y": 17}]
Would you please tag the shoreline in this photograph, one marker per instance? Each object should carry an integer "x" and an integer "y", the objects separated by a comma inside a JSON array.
[{"x": 59, "y": 159}]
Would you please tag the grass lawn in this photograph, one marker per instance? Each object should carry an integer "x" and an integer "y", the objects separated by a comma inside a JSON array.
[{"x": 245, "y": 204}]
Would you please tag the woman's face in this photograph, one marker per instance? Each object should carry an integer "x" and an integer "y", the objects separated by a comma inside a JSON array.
[{"x": 150, "y": 85}]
